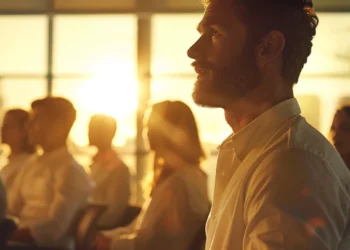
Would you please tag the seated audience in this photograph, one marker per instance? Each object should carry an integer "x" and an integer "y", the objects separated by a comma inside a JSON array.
[
  {"x": 108, "y": 171},
  {"x": 179, "y": 205},
  {"x": 15, "y": 135},
  {"x": 51, "y": 191},
  {"x": 340, "y": 133}
]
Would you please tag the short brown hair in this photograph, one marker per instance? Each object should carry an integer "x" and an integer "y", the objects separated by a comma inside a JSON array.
[
  {"x": 296, "y": 19},
  {"x": 58, "y": 108}
]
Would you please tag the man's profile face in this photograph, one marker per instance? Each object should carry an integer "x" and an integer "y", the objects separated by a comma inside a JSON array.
[
  {"x": 38, "y": 126},
  {"x": 224, "y": 57},
  {"x": 44, "y": 129}
]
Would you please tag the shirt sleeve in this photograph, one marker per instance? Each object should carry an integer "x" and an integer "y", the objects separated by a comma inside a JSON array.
[
  {"x": 292, "y": 202},
  {"x": 71, "y": 188},
  {"x": 118, "y": 196},
  {"x": 163, "y": 221}
]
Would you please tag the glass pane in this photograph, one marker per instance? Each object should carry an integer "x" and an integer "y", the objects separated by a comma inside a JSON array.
[
  {"x": 23, "y": 4},
  {"x": 329, "y": 92},
  {"x": 331, "y": 50},
  {"x": 93, "y": 4},
  {"x": 23, "y": 47},
  {"x": 95, "y": 44},
  {"x": 183, "y": 31},
  {"x": 211, "y": 122},
  {"x": 310, "y": 108},
  {"x": 19, "y": 93}
]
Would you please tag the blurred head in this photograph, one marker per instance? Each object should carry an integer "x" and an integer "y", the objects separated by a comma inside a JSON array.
[
  {"x": 14, "y": 132},
  {"x": 51, "y": 120},
  {"x": 172, "y": 127},
  {"x": 340, "y": 131},
  {"x": 244, "y": 44},
  {"x": 102, "y": 129}
]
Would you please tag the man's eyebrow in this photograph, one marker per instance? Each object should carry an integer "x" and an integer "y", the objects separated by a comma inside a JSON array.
[{"x": 205, "y": 24}]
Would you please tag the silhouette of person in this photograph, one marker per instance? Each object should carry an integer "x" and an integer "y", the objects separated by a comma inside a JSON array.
[{"x": 108, "y": 171}]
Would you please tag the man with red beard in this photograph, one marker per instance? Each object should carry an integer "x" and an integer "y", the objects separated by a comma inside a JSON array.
[{"x": 279, "y": 183}]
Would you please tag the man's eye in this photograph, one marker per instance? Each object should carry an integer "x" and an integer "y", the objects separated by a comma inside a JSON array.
[{"x": 214, "y": 32}]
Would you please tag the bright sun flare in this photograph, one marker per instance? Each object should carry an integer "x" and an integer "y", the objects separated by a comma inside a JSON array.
[{"x": 110, "y": 93}]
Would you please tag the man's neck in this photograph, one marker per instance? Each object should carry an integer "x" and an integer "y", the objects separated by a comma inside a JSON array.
[
  {"x": 104, "y": 149},
  {"x": 245, "y": 110},
  {"x": 50, "y": 148},
  {"x": 15, "y": 151}
]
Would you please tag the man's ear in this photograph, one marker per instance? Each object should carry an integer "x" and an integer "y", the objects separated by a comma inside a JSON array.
[{"x": 270, "y": 48}]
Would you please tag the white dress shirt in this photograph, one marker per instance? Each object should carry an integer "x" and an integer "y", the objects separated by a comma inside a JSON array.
[
  {"x": 171, "y": 219},
  {"x": 49, "y": 193},
  {"x": 112, "y": 180},
  {"x": 10, "y": 171},
  {"x": 280, "y": 185}
]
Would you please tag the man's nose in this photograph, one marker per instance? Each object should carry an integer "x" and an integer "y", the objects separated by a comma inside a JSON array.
[{"x": 196, "y": 50}]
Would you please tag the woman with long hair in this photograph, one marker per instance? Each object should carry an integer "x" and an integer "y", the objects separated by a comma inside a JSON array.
[
  {"x": 14, "y": 134},
  {"x": 178, "y": 205}
]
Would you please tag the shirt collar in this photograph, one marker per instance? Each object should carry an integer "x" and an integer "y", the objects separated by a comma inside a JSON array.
[
  {"x": 59, "y": 155},
  {"x": 257, "y": 131},
  {"x": 105, "y": 156},
  {"x": 19, "y": 157}
]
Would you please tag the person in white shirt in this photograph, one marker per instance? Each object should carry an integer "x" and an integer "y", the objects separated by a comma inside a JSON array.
[
  {"x": 179, "y": 205},
  {"x": 108, "y": 171},
  {"x": 15, "y": 135},
  {"x": 340, "y": 133},
  {"x": 279, "y": 183},
  {"x": 53, "y": 188}
]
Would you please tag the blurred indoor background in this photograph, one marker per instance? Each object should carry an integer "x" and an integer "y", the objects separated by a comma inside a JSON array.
[{"x": 119, "y": 56}]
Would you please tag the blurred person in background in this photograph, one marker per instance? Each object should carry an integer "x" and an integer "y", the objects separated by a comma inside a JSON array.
[
  {"x": 178, "y": 205},
  {"x": 108, "y": 171},
  {"x": 14, "y": 133},
  {"x": 340, "y": 133},
  {"x": 279, "y": 184},
  {"x": 53, "y": 188}
]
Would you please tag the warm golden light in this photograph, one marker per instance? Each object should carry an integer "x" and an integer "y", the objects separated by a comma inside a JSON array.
[{"x": 111, "y": 91}]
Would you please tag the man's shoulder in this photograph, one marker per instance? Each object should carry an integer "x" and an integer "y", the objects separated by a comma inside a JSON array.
[
  {"x": 303, "y": 139},
  {"x": 303, "y": 152},
  {"x": 73, "y": 168}
]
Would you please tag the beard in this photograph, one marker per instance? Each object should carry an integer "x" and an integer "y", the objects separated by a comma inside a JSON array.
[{"x": 218, "y": 87}]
